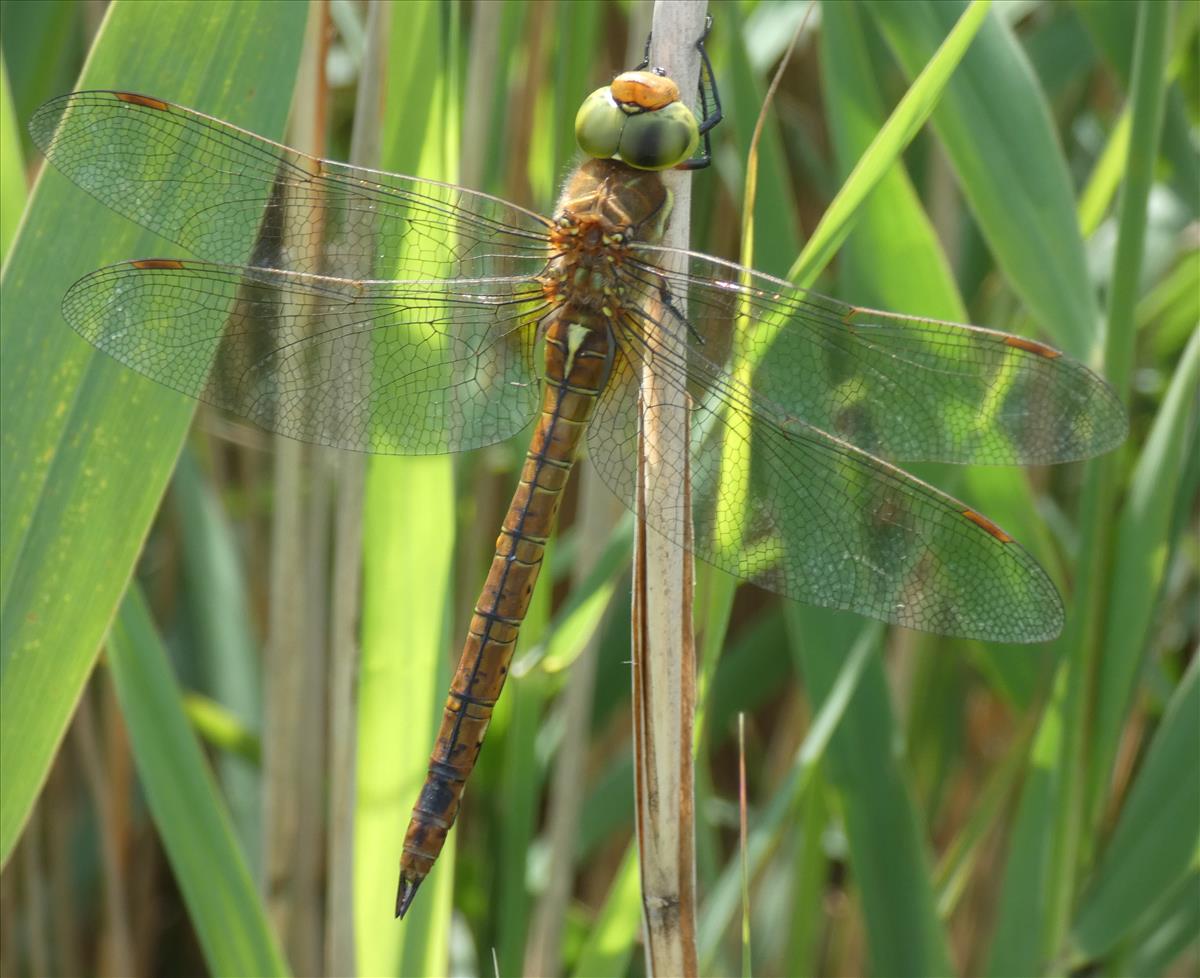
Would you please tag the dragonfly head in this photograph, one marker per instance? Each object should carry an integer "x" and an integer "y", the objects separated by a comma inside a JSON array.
[{"x": 639, "y": 120}]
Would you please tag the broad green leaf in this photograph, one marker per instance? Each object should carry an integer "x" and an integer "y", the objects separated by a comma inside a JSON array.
[
  {"x": 998, "y": 133},
  {"x": 186, "y": 805},
  {"x": 407, "y": 579},
  {"x": 1156, "y": 844},
  {"x": 88, "y": 445},
  {"x": 905, "y": 121},
  {"x": 408, "y": 544},
  {"x": 1142, "y": 550},
  {"x": 404, "y": 677}
]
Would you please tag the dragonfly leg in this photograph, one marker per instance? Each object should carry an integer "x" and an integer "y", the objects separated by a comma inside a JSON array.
[
  {"x": 667, "y": 298},
  {"x": 709, "y": 119},
  {"x": 645, "y": 62}
]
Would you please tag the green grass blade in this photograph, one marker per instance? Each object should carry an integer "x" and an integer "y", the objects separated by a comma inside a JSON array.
[
  {"x": 1105, "y": 178},
  {"x": 43, "y": 48},
  {"x": 1052, "y": 835},
  {"x": 892, "y": 258},
  {"x": 888, "y": 848},
  {"x": 12, "y": 167},
  {"x": 519, "y": 786},
  {"x": 405, "y": 634},
  {"x": 722, "y": 905},
  {"x": 222, "y": 728},
  {"x": 221, "y": 640},
  {"x": 516, "y": 808},
  {"x": 1171, "y": 936},
  {"x": 776, "y": 228},
  {"x": 611, "y": 943},
  {"x": 997, "y": 129},
  {"x": 1084, "y": 628},
  {"x": 907, "y": 118},
  {"x": 408, "y": 544},
  {"x": 186, "y": 805},
  {"x": 962, "y": 858},
  {"x": 1146, "y": 99},
  {"x": 1156, "y": 844},
  {"x": 1112, "y": 26},
  {"x": 1015, "y": 946},
  {"x": 1142, "y": 550},
  {"x": 583, "y": 611},
  {"x": 88, "y": 444}
]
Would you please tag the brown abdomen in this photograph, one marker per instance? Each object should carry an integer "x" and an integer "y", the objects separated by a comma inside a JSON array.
[{"x": 577, "y": 357}]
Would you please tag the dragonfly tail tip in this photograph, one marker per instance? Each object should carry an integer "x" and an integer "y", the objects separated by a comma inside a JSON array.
[{"x": 405, "y": 894}]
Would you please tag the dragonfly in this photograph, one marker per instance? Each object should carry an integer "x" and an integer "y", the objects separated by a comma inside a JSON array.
[{"x": 383, "y": 313}]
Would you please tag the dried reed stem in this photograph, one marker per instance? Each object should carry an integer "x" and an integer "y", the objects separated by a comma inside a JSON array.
[{"x": 663, "y": 641}]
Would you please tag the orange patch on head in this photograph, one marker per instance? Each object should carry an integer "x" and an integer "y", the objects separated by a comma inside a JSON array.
[
  {"x": 987, "y": 525},
  {"x": 644, "y": 89}
]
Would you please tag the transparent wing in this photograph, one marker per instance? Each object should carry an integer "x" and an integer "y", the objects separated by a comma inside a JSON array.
[
  {"x": 797, "y": 511},
  {"x": 231, "y": 197},
  {"x": 896, "y": 386},
  {"x": 406, "y": 368}
]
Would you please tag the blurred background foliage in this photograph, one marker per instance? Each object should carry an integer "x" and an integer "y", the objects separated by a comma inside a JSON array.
[{"x": 228, "y": 794}]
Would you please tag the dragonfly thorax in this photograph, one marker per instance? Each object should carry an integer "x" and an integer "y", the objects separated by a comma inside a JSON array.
[{"x": 606, "y": 208}]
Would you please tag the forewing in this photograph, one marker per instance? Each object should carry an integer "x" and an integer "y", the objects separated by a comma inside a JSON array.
[
  {"x": 899, "y": 387},
  {"x": 231, "y": 197},
  {"x": 794, "y": 510},
  {"x": 388, "y": 367}
]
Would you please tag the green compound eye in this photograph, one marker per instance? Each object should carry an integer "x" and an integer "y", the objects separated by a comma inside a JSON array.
[
  {"x": 598, "y": 125},
  {"x": 660, "y": 139},
  {"x": 649, "y": 139}
]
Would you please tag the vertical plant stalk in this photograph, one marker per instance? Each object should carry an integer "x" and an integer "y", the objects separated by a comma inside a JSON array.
[
  {"x": 344, "y": 645},
  {"x": 664, "y": 681},
  {"x": 292, "y": 807},
  {"x": 33, "y": 895},
  {"x": 119, "y": 945},
  {"x": 307, "y": 952},
  {"x": 744, "y": 845},
  {"x": 1078, "y": 820}
]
